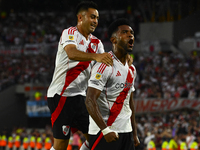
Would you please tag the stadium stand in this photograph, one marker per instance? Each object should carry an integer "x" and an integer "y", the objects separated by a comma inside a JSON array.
[{"x": 28, "y": 43}]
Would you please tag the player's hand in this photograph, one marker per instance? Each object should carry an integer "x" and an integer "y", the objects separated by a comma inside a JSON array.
[
  {"x": 104, "y": 58},
  {"x": 136, "y": 141},
  {"x": 129, "y": 60},
  {"x": 111, "y": 137}
]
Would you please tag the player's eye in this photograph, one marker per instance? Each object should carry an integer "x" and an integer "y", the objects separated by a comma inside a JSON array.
[
  {"x": 132, "y": 32},
  {"x": 124, "y": 31},
  {"x": 94, "y": 17}
]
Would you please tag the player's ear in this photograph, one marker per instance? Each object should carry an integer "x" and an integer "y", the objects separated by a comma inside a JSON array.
[
  {"x": 113, "y": 40},
  {"x": 79, "y": 17}
]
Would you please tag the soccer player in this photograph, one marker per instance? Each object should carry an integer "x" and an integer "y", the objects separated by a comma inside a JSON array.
[
  {"x": 77, "y": 51},
  {"x": 109, "y": 98}
]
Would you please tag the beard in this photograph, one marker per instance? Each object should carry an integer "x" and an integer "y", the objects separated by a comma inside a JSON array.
[
  {"x": 129, "y": 50},
  {"x": 126, "y": 47}
]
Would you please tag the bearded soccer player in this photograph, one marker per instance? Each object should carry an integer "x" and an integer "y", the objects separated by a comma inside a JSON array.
[
  {"x": 77, "y": 51},
  {"x": 109, "y": 98}
]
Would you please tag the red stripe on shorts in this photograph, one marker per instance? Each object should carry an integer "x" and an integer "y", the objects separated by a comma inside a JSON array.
[
  {"x": 97, "y": 141},
  {"x": 58, "y": 109}
]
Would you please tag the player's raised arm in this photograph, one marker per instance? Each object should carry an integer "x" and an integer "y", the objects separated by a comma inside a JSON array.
[{"x": 74, "y": 54}]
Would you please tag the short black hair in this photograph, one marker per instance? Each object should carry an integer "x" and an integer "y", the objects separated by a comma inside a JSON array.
[
  {"x": 115, "y": 24},
  {"x": 85, "y": 5}
]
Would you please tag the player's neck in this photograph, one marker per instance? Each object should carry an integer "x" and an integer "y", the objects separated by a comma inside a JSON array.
[
  {"x": 120, "y": 56},
  {"x": 82, "y": 31}
]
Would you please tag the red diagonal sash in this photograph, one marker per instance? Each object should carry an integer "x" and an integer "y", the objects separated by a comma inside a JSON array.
[
  {"x": 117, "y": 106},
  {"x": 71, "y": 75}
]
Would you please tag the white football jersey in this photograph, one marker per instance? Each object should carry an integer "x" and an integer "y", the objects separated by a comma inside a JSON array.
[
  {"x": 70, "y": 77},
  {"x": 116, "y": 83}
]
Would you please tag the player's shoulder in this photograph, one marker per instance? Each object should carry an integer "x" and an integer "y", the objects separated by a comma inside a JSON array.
[
  {"x": 95, "y": 38},
  {"x": 132, "y": 67},
  {"x": 111, "y": 54},
  {"x": 102, "y": 68},
  {"x": 70, "y": 30}
]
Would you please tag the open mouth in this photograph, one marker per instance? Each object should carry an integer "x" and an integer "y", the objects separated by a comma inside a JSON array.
[{"x": 131, "y": 42}]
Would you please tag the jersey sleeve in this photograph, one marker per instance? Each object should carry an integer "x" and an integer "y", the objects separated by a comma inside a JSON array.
[
  {"x": 68, "y": 37},
  {"x": 133, "y": 69},
  {"x": 101, "y": 48},
  {"x": 100, "y": 74}
]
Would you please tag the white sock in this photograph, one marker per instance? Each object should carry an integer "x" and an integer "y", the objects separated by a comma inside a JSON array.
[
  {"x": 52, "y": 148},
  {"x": 85, "y": 146}
]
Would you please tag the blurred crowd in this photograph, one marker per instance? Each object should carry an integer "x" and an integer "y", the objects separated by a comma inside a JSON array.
[
  {"x": 159, "y": 75},
  {"x": 167, "y": 75},
  {"x": 164, "y": 75},
  {"x": 180, "y": 125},
  {"x": 25, "y": 69},
  {"x": 22, "y": 138},
  {"x": 39, "y": 27},
  {"x": 33, "y": 29}
]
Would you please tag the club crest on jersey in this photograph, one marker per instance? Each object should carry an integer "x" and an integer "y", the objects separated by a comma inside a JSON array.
[
  {"x": 98, "y": 76},
  {"x": 71, "y": 37},
  {"x": 93, "y": 46},
  {"x": 65, "y": 129}
]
